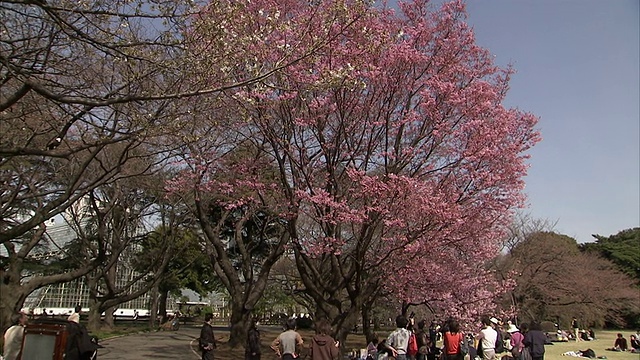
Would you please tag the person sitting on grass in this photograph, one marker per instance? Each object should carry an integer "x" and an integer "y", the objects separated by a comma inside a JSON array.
[
  {"x": 635, "y": 344},
  {"x": 620, "y": 344}
]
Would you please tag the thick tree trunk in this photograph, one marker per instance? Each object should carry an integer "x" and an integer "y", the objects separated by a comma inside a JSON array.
[
  {"x": 94, "y": 322},
  {"x": 109, "y": 318},
  {"x": 348, "y": 321},
  {"x": 12, "y": 297},
  {"x": 153, "y": 307},
  {"x": 240, "y": 320},
  {"x": 367, "y": 331}
]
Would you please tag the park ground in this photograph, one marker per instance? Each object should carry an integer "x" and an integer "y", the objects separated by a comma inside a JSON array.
[{"x": 182, "y": 345}]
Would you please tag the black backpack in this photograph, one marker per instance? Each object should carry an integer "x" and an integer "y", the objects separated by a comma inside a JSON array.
[{"x": 499, "y": 343}]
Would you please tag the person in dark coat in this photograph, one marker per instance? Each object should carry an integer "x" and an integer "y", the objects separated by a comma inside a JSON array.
[
  {"x": 80, "y": 346},
  {"x": 207, "y": 340},
  {"x": 252, "y": 350},
  {"x": 422, "y": 337},
  {"x": 534, "y": 340},
  {"x": 323, "y": 346}
]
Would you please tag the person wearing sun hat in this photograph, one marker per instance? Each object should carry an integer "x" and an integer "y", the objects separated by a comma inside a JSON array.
[{"x": 516, "y": 340}]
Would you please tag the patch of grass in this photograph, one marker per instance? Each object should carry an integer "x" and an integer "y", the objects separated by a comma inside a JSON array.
[{"x": 604, "y": 339}]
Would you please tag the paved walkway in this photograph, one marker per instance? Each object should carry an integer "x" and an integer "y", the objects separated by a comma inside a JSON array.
[{"x": 180, "y": 344}]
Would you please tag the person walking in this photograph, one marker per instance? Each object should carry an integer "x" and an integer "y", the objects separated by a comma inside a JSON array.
[
  {"x": 534, "y": 341},
  {"x": 13, "y": 336},
  {"x": 323, "y": 346},
  {"x": 576, "y": 329},
  {"x": 288, "y": 344},
  {"x": 398, "y": 340},
  {"x": 252, "y": 350},
  {"x": 207, "y": 339}
]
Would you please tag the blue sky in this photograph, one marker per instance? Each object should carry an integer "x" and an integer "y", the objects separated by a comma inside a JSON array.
[{"x": 577, "y": 64}]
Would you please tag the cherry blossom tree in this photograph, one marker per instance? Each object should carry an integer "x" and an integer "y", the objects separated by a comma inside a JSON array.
[
  {"x": 398, "y": 161},
  {"x": 81, "y": 79},
  {"x": 229, "y": 177}
]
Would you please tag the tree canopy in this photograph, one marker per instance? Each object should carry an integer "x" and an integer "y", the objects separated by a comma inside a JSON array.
[
  {"x": 621, "y": 248},
  {"x": 556, "y": 281},
  {"x": 391, "y": 149}
]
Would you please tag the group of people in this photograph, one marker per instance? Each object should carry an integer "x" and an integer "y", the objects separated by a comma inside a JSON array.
[
  {"x": 578, "y": 333},
  {"x": 620, "y": 344},
  {"x": 287, "y": 346},
  {"x": 456, "y": 345},
  {"x": 526, "y": 342}
]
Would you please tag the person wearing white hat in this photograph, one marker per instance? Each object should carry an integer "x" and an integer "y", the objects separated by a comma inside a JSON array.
[
  {"x": 516, "y": 340},
  {"x": 487, "y": 339}
]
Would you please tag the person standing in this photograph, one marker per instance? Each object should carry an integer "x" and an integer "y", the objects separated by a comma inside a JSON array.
[
  {"x": 252, "y": 351},
  {"x": 13, "y": 337},
  {"x": 79, "y": 345},
  {"x": 576, "y": 329},
  {"x": 422, "y": 339},
  {"x": 516, "y": 341},
  {"x": 433, "y": 337},
  {"x": 207, "y": 339},
  {"x": 534, "y": 340},
  {"x": 487, "y": 339},
  {"x": 398, "y": 340},
  {"x": 452, "y": 339},
  {"x": 323, "y": 346},
  {"x": 288, "y": 343}
]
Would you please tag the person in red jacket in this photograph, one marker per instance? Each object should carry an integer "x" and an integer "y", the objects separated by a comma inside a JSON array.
[
  {"x": 323, "y": 346},
  {"x": 452, "y": 340}
]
